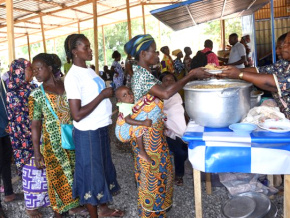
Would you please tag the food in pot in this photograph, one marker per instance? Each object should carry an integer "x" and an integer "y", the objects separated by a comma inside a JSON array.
[
  {"x": 214, "y": 86},
  {"x": 214, "y": 67}
]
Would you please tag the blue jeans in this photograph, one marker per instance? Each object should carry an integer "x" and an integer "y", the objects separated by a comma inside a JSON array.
[
  {"x": 95, "y": 175},
  {"x": 180, "y": 153}
]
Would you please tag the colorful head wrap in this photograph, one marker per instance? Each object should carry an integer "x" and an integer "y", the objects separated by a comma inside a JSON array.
[
  {"x": 137, "y": 44},
  {"x": 176, "y": 52}
]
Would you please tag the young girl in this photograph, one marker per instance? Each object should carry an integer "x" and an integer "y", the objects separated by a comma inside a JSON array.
[
  {"x": 95, "y": 175},
  {"x": 175, "y": 127}
]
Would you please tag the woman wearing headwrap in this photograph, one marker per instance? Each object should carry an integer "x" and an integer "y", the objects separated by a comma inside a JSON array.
[
  {"x": 155, "y": 179},
  {"x": 34, "y": 180},
  {"x": 179, "y": 68},
  {"x": 167, "y": 62}
]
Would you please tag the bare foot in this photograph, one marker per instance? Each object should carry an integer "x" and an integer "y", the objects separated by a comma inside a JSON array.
[
  {"x": 33, "y": 213},
  {"x": 57, "y": 215},
  {"x": 105, "y": 211},
  {"x": 144, "y": 156},
  {"x": 79, "y": 211},
  {"x": 2, "y": 214},
  {"x": 9, "y": 198}
]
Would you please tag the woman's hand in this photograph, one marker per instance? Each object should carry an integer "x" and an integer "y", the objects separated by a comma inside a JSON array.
[
  {"x": 147, "y": 122},
  {"x": 107, "y": 92},
  {"x": 199, "y": 73},
  {"x": 231, "y": 72},
  {"x": 39, "y": 160}
]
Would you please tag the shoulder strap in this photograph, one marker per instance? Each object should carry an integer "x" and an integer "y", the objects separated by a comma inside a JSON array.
[
  {"x": 3, "y": 84},
  {"x": 47, "y": 103},
  {"x": 208, "y": 53}
]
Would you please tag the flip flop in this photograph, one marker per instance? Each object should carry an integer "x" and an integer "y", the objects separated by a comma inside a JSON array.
[
  {"x": 113, "y": 213},
  {"x": 1, "y": 189},
  {"x": 81, "y": 212}
]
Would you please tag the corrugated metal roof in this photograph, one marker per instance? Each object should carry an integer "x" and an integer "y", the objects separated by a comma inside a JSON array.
[
  {"x": 61, "y": 17},
  {"x": 193, "y": 12}
]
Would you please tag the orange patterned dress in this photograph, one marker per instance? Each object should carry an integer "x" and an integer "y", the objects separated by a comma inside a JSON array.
[{"x": 60, "y": 163}]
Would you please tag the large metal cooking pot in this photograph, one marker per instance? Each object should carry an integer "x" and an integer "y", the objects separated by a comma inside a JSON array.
[{"x": 217, "y": 107}]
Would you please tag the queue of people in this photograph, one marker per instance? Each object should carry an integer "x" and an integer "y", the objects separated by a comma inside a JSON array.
[{"x": 84, "y": 180}]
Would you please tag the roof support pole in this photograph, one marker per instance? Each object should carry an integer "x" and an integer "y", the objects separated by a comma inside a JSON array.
[
  {"x": 96, "y": 45},
  {"x": 79, "y": 27},
  {"x": 28, "y": 46},
  {"x": 286, "y": 195},
  {"x": 43, "y": 35},
  {"x": 159, "y": 33},
  {"x": 10, "y": 30},
  {"x": 144, "y": 21},
  {"x": 104, "y": 45},
  {"x": 129, "y": 19},
  {"x": 273, "y": 32},
  {"x": 223, "y": 37}
]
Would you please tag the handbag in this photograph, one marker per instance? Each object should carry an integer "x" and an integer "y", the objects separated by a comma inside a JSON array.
[{"x": 66, "y": 129}]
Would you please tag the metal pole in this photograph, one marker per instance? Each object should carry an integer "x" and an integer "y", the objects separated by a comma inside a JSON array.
[{"x": 273, "y": 32}]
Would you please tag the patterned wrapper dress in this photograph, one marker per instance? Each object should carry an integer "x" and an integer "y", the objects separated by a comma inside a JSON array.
[
  {"x": 60, "y": 163},
  {"x": 33, "y": 180},
  {"x": 154, "y": 180}
]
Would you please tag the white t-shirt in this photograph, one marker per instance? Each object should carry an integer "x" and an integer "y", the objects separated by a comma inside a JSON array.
[
  {"x": 237, "y": 51},
  {"x": 86, "y": 85},
  {"x": 175, "y": 117}
]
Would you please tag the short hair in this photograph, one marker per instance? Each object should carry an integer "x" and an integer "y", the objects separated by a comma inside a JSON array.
[
  {"x": 118, "y": 90},
  {"x": 208, "y": 43},
  {"x": 186, "y": 48},
  {"x": 166, "y": 73},
  {"x": 282, "y": 37},
  {"x": 234, "y": 35},
  {"x": 116, "y": 54},
  {"x": 163, "y": 48}
]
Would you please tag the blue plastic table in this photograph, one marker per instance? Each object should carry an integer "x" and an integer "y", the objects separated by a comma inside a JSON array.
[{"x": 217, "y": 150}]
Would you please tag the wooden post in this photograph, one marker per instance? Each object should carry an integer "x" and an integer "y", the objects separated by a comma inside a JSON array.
[
  {"x": 104, "y": 45},
  {"x": 10, "y": 30},
  {"x": 144, "y": 23},
  {"x": 223, "y": 40},
  {"x": 28, "y": 47},
  {"x": 286, "y": 196},
  {"x": 208, "y": 183},
  {"x": 159, "y": 33},
  {"x": 197, "y": 193},
  {"x": 54, "y": 46},
  {"x": 43, "y": 36},
  {"x": 96, "y": 47},
  {"x": 128, "y": 18},
  {"x": 79, "y": 27}
]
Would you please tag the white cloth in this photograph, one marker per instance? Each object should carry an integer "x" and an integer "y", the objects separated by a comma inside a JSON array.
[
  {"x": 237, "y": 51},
  {"x": 175, "y": 123},
  {"x": 86, "y": 85}
]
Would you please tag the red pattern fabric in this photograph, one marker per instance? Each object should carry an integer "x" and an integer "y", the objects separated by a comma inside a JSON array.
[{"x": 211, "y": 58}]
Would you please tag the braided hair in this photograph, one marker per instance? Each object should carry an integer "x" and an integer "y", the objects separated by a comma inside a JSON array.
[
  {"x": 71, "y": 43},
  {"x": 50, "y": 60}
]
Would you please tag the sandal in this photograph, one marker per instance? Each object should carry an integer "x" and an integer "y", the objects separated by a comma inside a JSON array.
[
  {"x": 82, "y": 211},
  {"x": 113, "y": 213},
  {"x": 13, "y": 197},
  {"x": 1, "y": 189},
  {"x": 179, "y": 181}
]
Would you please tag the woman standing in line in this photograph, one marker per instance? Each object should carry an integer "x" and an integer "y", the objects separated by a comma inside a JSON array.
[
  {"x": 95, "y": 175},
  {"x": 118, "y": 78},
  {"x": 154, "y": 180},
  {"x": 18, "y": 91},
  {"x": 58, "y": 161}
]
